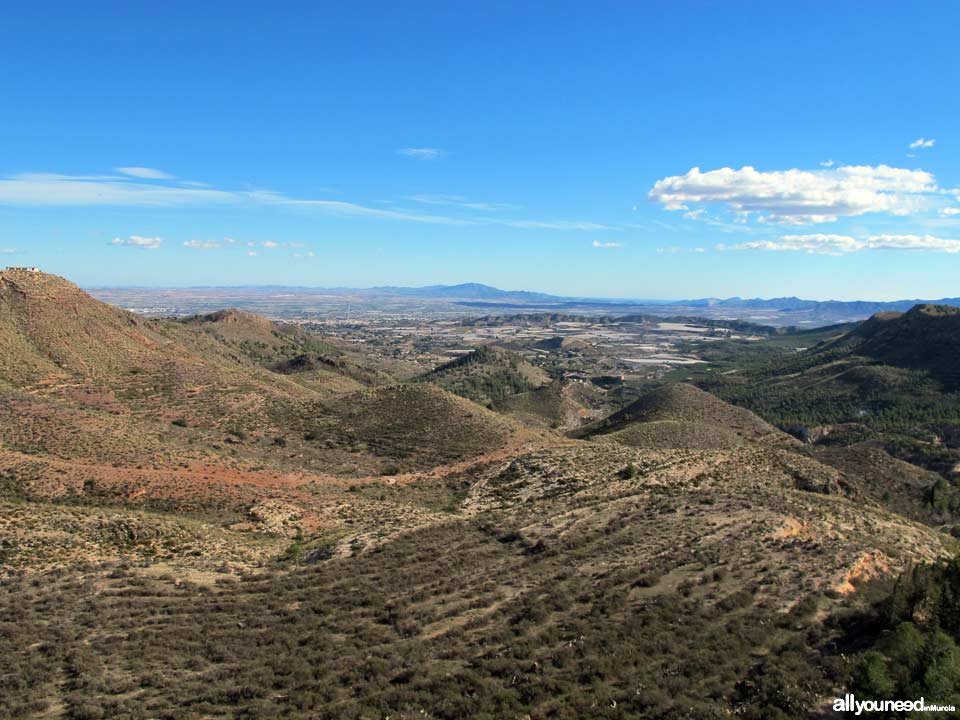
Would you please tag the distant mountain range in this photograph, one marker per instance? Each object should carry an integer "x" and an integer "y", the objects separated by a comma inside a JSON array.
[
  {"x": 481, "y": 292},
  {"x": 867, "y": 307},
  {"x": 469, "y": 291},
  {"x": 290, "y": 301}
]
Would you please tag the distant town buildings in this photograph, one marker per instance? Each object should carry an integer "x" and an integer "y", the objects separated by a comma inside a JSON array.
[{"x": 23, "y": 269}]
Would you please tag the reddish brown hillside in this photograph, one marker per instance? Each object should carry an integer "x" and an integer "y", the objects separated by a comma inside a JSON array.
[{"x": 56, "y": 340}]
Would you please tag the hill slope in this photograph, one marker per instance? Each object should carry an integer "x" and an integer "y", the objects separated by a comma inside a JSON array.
[
  {"x": 557, "y": 404},
  {"x": 53, "y": 335},
  {"x": 927, "y": 338},
  {"x": 189, "y": 529},
  {"x": 487, "y": 375},
  {"x": 49, "y": 326},
  {"x": 890, "y": 370},
  {"x": 885, "y": 389},
  {"x": 139, "y": 408},
  {"x": 288, "y": 350},
  {"x": 558, "y": 588},
  {"x": 414, "y": 426},
  {"x": 683, "y": 416}
]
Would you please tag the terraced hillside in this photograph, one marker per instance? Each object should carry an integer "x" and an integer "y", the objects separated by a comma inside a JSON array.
[
  {"x": 558, "y": 588},
  {"x": 196, "y": 522}
]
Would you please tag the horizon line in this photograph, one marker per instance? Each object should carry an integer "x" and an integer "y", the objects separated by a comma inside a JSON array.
[{"x": 568, "y": 298}]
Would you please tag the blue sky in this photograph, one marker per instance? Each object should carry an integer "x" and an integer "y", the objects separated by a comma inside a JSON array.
[{"x": 675, "y": 149}]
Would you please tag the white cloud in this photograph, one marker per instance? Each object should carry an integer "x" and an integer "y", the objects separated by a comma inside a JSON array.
[
  {"x": 145, "y": 173},
  {"x": 8, "y": 251},
  {"x": 137, "y": 241},
  {"x": 922, "y": 143},
  {"x": 913, "y": 242},
  {"x": 950, "y": 211},
  {"x": 824, "y": 244},
  {"x": 40, "y": 189},
  {"x": 598, "y": 244},
  {"x": 423, "y": 153},
  {"x": 543, "y": 224},
  {"x": 346, "y": 208},
  {"x": 44, "y": 189},
  {"x": 251, "y": 254},
  {"x": 460, "y": 201},
  {"x": 799, "y": 197},
  {"x": 675, "y": 250},
  {"x": 340, "y": 207},
  {"x": 819, "y": 243},
  {"x": 827, "y": 163},
  {"x": 231, "y": 242},
  {"x": 202, "y": 244}
]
